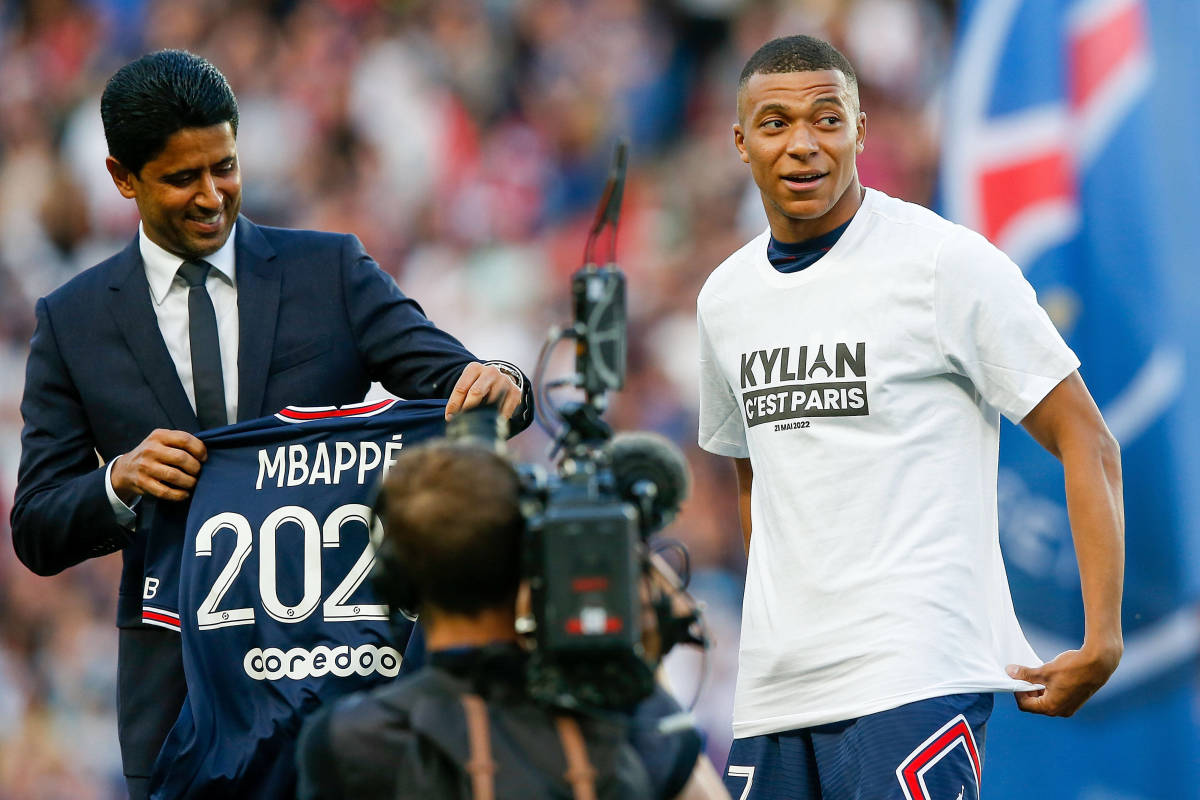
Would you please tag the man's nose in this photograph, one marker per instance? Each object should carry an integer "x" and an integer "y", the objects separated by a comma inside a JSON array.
[
  {"x": 209, "y": 195},
  {"x": 802, "y": 142}
]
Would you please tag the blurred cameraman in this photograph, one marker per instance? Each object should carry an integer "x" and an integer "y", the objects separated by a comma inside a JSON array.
[{"x": 453, "y": 522}]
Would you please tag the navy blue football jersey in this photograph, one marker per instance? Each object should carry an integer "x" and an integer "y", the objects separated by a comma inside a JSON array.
[{"x": 268, "y": 587}]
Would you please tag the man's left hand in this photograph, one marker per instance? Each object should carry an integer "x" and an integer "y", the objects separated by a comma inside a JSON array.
[
  {"x": 482, "y": 384},
  {"x": 1070, "y": 679}
]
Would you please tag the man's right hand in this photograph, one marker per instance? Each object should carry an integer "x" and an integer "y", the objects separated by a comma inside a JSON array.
[{"x": 165, "y": 465}]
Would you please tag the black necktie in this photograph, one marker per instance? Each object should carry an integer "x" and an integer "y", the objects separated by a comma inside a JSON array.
[{"x": 207, "y": 379}]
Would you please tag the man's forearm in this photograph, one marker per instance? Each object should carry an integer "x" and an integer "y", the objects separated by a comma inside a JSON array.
[
  {"x": 1068, "y": 424},
  {"x": 1092, "y": 469}
]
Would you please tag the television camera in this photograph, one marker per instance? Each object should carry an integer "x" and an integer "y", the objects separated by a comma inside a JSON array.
[{"x": 605, "y": 607}]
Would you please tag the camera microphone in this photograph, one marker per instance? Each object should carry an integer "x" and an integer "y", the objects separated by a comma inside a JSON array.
[{"x": 651, "y": 473}]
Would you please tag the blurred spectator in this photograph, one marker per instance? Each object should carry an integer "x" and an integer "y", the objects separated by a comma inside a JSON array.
[{"x": 465, "y": 142}]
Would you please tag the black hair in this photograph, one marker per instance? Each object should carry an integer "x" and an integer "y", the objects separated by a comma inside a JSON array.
[
  {"x": 797, "y": 54},
  {"x": 452, "y": 520},
  {"x": 150, "y": 99}
]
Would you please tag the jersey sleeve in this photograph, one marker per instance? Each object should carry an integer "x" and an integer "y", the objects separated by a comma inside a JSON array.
[
  {"x": 721, "y": 429},
  {"x": 991, "y": 329}
]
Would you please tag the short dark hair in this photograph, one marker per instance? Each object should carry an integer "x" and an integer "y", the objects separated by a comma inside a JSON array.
[
  {"x": 452, "y": 519},
  {"x": 797, "y": 54},
  {"x": 148, "y": 100}
]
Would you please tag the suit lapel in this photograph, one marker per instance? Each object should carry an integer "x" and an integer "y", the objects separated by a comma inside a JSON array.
[
  {"x": 258, "y": 277},
  {"x": 129, "y": 301}
]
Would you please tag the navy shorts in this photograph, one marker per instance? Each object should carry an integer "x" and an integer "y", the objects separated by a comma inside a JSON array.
[{"x": 927, "y": 750}]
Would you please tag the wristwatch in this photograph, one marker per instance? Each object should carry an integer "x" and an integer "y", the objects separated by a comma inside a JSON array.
[{"x": 510, "y": 371}]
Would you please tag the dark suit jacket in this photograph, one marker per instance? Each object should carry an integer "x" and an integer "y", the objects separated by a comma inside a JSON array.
[{"x": 318, "y": 322}]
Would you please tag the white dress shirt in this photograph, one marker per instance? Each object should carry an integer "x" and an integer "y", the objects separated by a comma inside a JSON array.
[{"x": 169, "y": 296}]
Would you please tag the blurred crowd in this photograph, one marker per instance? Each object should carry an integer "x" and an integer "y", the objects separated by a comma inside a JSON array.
[{"x": 466, "y": 143}]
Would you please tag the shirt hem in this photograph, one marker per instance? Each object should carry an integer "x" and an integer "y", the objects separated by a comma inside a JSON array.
[{"x": 791, "y": 722}]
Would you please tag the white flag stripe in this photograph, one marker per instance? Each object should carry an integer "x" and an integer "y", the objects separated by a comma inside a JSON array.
[
  {"x": 1109, "y": 105},
  {"x": 1038, "y": 228}
]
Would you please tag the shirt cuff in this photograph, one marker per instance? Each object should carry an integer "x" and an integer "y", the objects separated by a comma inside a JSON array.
[{"x": 125, "y": 514}]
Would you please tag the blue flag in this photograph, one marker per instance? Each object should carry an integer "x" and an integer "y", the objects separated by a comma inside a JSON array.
[{"x": 1051, "y": 151}]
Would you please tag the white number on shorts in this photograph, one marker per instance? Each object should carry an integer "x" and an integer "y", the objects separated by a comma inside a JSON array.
[{"x": 743, "y": 772}]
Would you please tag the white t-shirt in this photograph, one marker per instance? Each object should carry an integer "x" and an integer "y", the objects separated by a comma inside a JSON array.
[{"x": 867, "y": 390}]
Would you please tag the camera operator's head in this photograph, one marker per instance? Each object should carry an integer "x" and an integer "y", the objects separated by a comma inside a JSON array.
[{"x": 453, "y": 525}]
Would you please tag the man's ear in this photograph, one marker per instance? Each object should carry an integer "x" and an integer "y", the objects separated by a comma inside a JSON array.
[
  {"x": 862, "y": 131},
  {"x": 122, "y": 177},
  {"x": 739, "y": 141}
]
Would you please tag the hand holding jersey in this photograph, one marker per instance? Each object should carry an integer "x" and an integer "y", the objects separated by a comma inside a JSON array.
[
  {"x": 167, "y": 462},
  {"x": 486, "y": 384},
  {"x": 267, "y": 587},
  {"x": 165, "y": 465}
]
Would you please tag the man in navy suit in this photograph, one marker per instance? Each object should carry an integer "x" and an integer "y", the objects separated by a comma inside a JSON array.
[{"x": 203, "y": 320}]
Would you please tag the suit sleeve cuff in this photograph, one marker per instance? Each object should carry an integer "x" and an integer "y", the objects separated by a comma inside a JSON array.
[{"x": 125, "y": 515}]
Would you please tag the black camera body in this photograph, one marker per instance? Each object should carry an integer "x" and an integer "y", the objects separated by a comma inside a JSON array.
[
  {"x": 583, "y": 571},
  {"x": 585, "y": 561},
  {"x": 592, "y": 587}
]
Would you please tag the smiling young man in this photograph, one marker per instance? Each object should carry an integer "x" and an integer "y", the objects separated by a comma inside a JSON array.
[
  {"x": 203, "y": 319},
  {"x": 855, "y": 360}
]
